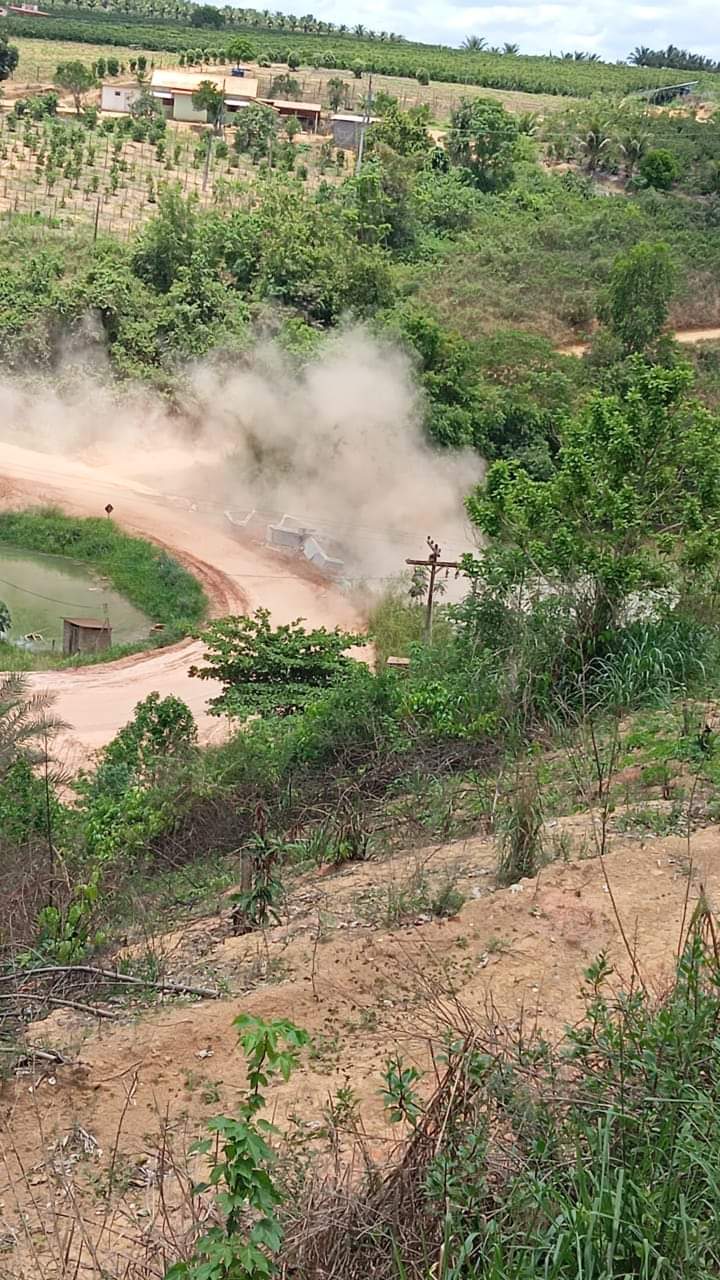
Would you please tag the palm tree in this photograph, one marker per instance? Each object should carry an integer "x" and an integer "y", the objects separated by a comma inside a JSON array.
[
  {"x": 511, "y": 49},
  {"x": 640, "y": 55},
  {"x": 592, "y": 144},
  {"x": 25, "y": 723},
  {"x": 474, "y": 44},
  {"x": 633, "y": 147}
]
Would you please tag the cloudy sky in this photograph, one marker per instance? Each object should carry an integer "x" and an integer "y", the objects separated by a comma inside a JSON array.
[{"x": 609, "y": 27}]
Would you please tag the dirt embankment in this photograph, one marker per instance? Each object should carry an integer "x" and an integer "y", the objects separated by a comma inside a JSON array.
[{"x": 363, "y": 987}]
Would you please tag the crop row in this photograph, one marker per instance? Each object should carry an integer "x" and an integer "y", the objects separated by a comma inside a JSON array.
[{"x": 529, "y": 74}]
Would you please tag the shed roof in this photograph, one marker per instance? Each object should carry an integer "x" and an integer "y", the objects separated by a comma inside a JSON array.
[
  {"x": 349, "y": 118},
  {"x": 90, "y": 624},
  {"x": 178, "y": 81},
  {"x": 280, "y": 103}
]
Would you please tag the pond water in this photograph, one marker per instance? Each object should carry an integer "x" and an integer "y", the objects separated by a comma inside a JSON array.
[{"x": 41, "y": 590}]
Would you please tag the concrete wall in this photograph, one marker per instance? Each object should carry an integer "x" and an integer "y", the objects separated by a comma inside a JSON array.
[
  {"x": 184, "y": 110},
  {"x": 346, "y": 133},
  {"x": 118, "y": 99}
]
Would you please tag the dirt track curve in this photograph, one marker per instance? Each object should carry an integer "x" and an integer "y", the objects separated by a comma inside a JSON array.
[
  {"x": 96, "y": 701},
  {"x": 687, "y": 337}
]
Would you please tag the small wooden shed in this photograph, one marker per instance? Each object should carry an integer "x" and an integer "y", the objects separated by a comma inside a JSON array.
[{"x": 85, "y": 635}]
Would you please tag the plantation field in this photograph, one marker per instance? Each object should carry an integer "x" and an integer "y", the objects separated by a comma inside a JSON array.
[
  {"x": 65, "y": 173},
  {"x": 39, "y": 58},
  {"x": 535, "y": 75}
]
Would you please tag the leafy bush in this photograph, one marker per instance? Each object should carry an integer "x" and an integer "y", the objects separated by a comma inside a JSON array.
[
  {"x": 270, "y": 670},
  {"x": 659, "y": 169}
]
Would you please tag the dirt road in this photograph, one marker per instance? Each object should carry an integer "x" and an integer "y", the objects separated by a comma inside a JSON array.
[
  {"x": 97, "y": 701},
  {"x": 687, "y": 337}
]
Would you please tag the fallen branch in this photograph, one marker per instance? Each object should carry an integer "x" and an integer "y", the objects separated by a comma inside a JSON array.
[
  {"x": 110, "y": 975},
  {"x": 23, "y": 1051}
]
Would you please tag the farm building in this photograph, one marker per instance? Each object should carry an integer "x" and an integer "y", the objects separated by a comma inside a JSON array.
[
  {"x": 118, "y": 97},
  {"x": 308, "y": 113},
  {"x": 174, "y": 89},
  {"x": 347, "y": 129},
  {"x": 85, "y": 635}
]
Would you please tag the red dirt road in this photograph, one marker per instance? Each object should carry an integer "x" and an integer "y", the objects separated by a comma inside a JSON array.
[{"x": 96, "y": 701}]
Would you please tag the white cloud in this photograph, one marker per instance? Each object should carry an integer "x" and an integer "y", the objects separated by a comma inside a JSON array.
[{"x": 609, "y": 27}]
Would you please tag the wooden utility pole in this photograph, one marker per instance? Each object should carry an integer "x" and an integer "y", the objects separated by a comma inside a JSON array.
[
  {"x": 433, "y": 563},
  {"x": 364, "y": 127}
]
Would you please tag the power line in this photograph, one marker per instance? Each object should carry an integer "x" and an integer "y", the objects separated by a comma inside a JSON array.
[{"x": 68, "y": 604}]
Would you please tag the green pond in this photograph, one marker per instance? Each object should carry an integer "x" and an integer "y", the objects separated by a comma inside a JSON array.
[{"x": 41, "y": 590}]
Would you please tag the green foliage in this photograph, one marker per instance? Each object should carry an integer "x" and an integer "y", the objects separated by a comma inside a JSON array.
[
  {"x": 284, "y": 86},
  {"x": 637, "y": 299},
  {"x": 9, "y": 57},
  {"x": 336, "y": 93},
  {"x": 68, "y": 936},
  {"x": 659, "y": 169},
  {"x": 399, "y": 1097},
  {"x": 77, "y": 79},
  {"x": 267, "y": 670},
  {"x": 404, "y": 131},
  {"x": 26, "y": 725},
  {"x": 161, "y": 731},
  {"x": 240, "y": 50},
  {"x": 207, "y": 97},
  {"x": 149, "y": 577},
  {"x": 207, "y": 15},
  {"x": 482, "y": 139},
  {"x": 247, "y": 1245},
  {"x": 633, "y": 505},
  {"x": 5, "y": 619}
]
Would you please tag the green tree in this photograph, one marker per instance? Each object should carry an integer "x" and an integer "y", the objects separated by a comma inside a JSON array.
[
  {"x": 336, "y": 93},
  {"x": 145, "y": 106},
  {"x": 284, "y": 86},
  {"x": 291, "y": 127},
  {"x": 422, "y": 76},
  {"x": 632, "y": 506},
  {"x": 240, "y": 50},
  {"x": 9, "y": 57},
  {"x": 256, "y": 127},
  {"x": 207, "y": 97},
  {"x": 5, "y": 619},
  {"x": 207, "y": 15},
  {"x": 404, "y": 131},
  {"x": 660, "y": 168},
  {"x": 636, "y": 302},
  {"x": 482, "y": 139},
  {"x": 77, "y": 79},
  {"x": 166, "y": 244},
  {"x": 293, "y": 61},
  {"x": 271, "y": 671}
]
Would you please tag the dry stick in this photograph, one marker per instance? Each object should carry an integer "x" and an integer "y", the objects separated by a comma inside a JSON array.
[
  {"x": 110, "y": 975},
  {"x": 27, "y": 1051},
  {"x": 56, "y": 1000}
]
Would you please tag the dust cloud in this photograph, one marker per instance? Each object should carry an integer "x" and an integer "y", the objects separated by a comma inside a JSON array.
[{"x": 337, "y": 443}]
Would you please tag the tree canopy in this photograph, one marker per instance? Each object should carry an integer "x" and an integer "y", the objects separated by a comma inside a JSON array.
[
  {"x": 77, "y": 79},
  {"x": 482, "y": 139},
  {"x": 636, "y": 302},
  {"x": 9, "y": 57},
  {"x": 632, "y": 506},
  {"x": 270, "y": 670}
]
